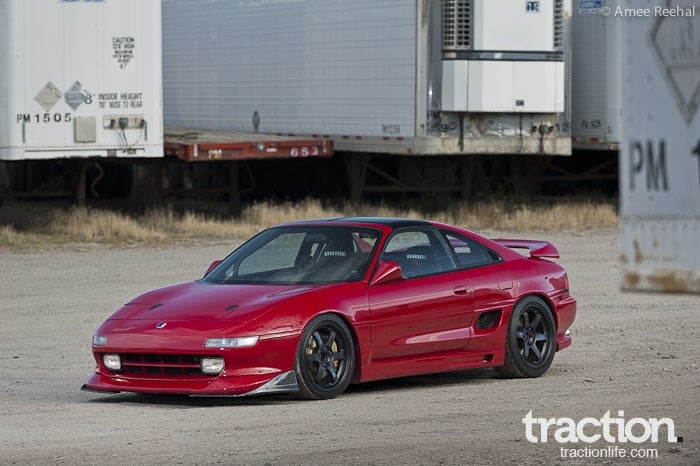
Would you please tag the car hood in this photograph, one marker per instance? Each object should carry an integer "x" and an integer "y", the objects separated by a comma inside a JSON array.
[{"x": 203, "y": 301}]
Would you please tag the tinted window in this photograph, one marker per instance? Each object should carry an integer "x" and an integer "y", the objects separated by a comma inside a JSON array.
[
  {"x": 419, "y": 253},
  {"x": 468, "y": 252},
  {"x": 304, "y": 254}
]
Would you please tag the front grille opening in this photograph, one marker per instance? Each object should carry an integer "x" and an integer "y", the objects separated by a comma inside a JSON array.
[{"x": 161, "y": 365}]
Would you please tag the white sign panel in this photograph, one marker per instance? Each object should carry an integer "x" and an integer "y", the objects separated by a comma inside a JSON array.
[
  {"x": 660, "y": 155},
  {"x": 80, "y": 78}
]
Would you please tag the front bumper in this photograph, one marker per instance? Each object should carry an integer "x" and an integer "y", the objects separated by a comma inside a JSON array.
[
  {"x": 167, "y": 364},
  {"x": 285, "y": 382}
]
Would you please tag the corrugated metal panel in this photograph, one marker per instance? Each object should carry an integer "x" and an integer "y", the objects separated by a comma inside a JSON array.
[
  {"x": 306, "y": 66},
  {"x": 589, "y": 85}
]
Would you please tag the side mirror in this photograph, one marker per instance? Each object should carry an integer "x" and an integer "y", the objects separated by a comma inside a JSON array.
[
  {"x": 386, "y": 272},
  {"x": 212, "y": 267}
]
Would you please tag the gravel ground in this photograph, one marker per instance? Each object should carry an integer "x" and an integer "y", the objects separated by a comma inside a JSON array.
[{"x": 635, "y": 352}]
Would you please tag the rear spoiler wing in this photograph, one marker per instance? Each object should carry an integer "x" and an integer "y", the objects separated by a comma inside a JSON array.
[{"x": 538, "y": 248}]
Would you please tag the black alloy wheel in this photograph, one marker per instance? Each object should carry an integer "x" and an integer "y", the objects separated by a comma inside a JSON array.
[
  {"x": 325, "y": 359},
  {"x": 531, "y": 339}
]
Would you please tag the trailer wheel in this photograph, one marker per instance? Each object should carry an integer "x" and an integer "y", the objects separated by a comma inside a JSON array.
[{"x": 5, "y": 187}]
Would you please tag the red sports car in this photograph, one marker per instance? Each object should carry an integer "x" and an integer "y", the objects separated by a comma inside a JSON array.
[{"x": 312, "y": 306}]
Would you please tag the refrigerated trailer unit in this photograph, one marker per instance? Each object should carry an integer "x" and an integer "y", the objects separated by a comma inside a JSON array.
[
  {"x": 660, "y": 152},
  {"x": 403, "y": 77},
  {"x": 80, "y": 80},
  {"x": 596, "y": 81}
]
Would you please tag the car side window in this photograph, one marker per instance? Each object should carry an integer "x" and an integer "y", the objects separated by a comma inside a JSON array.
[
  {"x": 419, "y": 253},
  {"x": 468, "y": 252}
]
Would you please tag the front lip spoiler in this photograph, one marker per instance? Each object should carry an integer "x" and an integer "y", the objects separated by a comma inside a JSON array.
[
  {"x": 85, "y": 388},
  {"x": 286, "y": 382}
]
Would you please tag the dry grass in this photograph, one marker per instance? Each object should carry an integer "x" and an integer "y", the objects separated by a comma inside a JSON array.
[
  {"x": 101, "y": 226},
  {"x": 24, "y": 225}
]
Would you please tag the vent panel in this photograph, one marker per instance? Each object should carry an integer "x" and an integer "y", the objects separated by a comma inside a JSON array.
[
  {"x": 457, "y": 25},
  {"x": 558, "y": 25}
]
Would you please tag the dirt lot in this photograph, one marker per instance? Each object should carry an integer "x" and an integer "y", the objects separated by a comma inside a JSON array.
[{"x": 633, "y": 352}]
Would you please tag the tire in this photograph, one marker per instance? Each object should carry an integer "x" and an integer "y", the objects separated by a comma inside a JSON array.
[
  {"x": 325, "y": 358},
  {"x": 5, "y": 187},
  {"x": 530, "y": 341}
]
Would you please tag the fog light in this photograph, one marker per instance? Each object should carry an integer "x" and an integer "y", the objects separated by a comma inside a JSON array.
[
  {"x": 113, "y": 362},
  {"x": 212, "y": 366},
  {"x": 99, "y": 340}
]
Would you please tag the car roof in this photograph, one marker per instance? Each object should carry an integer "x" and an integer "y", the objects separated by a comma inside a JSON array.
[{"x": 390, "y": 222}]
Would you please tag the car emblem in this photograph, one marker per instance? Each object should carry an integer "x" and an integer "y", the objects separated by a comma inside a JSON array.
[{"x": 161, "y": 325}]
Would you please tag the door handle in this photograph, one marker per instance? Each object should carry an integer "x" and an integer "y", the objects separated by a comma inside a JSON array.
[{"x": 463, "y": 289}]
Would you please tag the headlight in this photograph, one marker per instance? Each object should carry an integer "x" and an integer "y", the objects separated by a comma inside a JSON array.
[
  {"x": 113, "y": 362},
  {"x": 212, "y": 366},
  {"x": 239, "y": 342},
  {"x": 99, "y": 340}
]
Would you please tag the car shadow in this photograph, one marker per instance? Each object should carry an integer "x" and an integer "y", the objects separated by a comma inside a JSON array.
[
  {"x": 185, "y": 401},
  {"x": 470, "y": 377}
]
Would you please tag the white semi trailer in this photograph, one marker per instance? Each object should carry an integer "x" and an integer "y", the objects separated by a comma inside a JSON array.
[
  {"x": 400, "y": 77},
  {"x": 81, "y": 94},
  {"x": 80, "y": 80},
  {"x": 660, "y": 151}
]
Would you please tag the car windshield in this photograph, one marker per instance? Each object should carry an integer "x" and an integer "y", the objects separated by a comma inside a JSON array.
[{"x": 299, "y": 254}]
